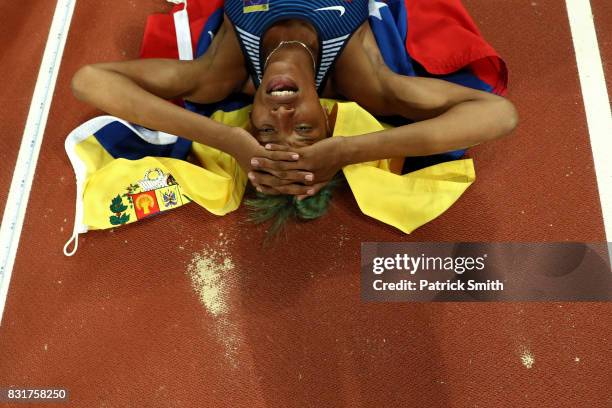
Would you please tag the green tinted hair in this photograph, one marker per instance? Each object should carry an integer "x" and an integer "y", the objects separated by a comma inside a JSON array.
[{"x": 279, "y": 209}]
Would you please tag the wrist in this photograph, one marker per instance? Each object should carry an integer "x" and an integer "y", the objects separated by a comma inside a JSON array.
[
  {"x": 346, "y": 151},
  {"x": 241, "y": 145},
  {"x": 203, "y": 130},
  {"x": 234, "y": 140}
]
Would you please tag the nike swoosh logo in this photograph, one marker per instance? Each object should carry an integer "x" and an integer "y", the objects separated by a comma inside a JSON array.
[{"x": 341, "y": 9}]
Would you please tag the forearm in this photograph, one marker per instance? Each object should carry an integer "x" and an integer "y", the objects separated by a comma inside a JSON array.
[
  {"x": 462, "y": 126},
  {"x": 120, "y": 96}
]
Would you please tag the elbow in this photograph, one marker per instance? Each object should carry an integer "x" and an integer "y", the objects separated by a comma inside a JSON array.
[
  {"x": 81, "y": 82},
  {"x": 509, "y": 117}
]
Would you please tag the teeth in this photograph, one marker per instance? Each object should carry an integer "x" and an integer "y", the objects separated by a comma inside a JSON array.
[{"x": 282, "y": 93}]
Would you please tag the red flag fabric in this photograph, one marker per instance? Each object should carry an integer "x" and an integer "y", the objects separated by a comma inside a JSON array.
[{"x": 442, "y": 37}]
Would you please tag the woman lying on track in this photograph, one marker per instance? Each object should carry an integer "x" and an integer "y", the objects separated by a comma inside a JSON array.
[{"x": 288, "y": 54}]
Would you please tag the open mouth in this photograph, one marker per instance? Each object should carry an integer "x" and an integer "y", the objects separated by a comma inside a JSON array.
[{"x": 282, "y": 86}]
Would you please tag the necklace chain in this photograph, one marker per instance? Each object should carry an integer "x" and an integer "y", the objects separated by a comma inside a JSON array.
[{"x": 283, "y": 43}]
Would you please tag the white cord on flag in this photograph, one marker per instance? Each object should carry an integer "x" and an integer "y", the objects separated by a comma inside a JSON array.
[
  {"x": 78, "y": 221},
  {"x": 75, "y": 238}
]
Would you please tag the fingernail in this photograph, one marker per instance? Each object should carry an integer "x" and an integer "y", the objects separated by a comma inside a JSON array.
[
  {"x": 259, "y": 189},
  {"x": 309, "y": 177},
  {"x": 251, "y": 176},
  {"x": 310, "y": 192},
  {"x": 255, "y": 162},
  {"x": 268, "y": 146},
  {"x": 295, "y": 156}
]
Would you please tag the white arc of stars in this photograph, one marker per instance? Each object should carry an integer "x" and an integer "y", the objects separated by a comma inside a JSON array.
[{"x": 374, "y": 7}]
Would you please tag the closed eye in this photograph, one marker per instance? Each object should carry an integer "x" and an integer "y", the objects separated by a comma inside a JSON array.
[{"x": 266, "y": 131}]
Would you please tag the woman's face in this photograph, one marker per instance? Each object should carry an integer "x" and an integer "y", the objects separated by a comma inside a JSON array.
[{"x": 286, "y": 109}]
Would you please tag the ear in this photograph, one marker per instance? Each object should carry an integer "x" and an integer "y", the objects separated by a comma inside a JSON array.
[
  {"x": 331, "y": 118},
  {"x": 327, "y": 127},
  {"x": 249, "y": 127}
]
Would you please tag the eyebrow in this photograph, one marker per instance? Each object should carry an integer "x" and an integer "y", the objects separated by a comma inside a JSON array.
[
  {"x": 265, "y": 137},
  {"x": 315, "y": 133}
]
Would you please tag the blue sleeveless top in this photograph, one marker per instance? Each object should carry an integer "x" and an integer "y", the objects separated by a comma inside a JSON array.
[{"x": 334, "y": 20}]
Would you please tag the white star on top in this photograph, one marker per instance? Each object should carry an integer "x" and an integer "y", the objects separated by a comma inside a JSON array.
[{"x": 375, "y": 7}]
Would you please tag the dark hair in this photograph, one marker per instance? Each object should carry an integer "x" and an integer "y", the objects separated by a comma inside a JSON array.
[{"x": 280, "y": 208}]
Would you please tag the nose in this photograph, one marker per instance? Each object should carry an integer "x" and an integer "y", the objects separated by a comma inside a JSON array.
[
  {"x": 283, "y": 110},
  {"x": 284, "y": 116}
]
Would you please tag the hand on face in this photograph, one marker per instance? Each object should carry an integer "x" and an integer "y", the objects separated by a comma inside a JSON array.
[
  {"x": 288, "y": 118},
  {"x": 247, "y": 148},
  {"x": 316, "y": 166}
]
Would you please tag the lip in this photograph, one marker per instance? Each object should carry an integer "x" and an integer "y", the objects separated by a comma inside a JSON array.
[
  {"x": 282, "y": 100},
  {"x": 281, "y": 81},
  {"x": 278, "y": 82}
]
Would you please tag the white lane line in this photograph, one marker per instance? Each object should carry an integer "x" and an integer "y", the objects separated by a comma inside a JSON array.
[
  {"x": 596, "y": 100},
  {"x": 19, "y": 193}
]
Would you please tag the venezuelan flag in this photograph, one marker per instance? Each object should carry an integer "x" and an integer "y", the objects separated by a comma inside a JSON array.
[
  {"x": 119, "y": 183},
  {"x": 126, "y": 173}
]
